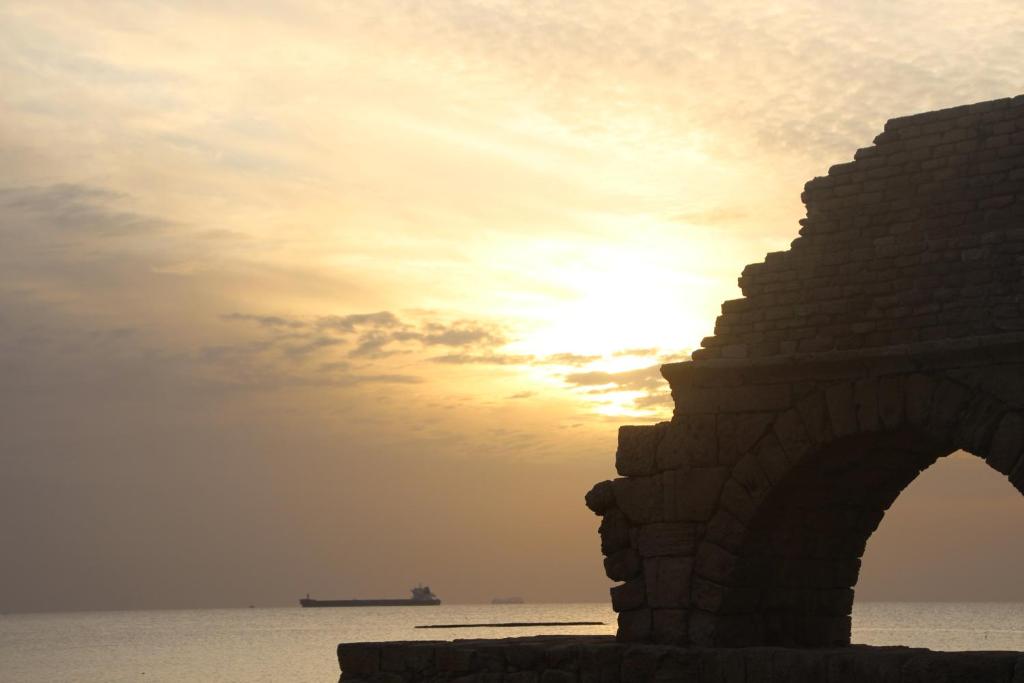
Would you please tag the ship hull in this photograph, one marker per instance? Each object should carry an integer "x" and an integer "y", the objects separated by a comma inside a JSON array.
[{"x": 310, "y": 602}]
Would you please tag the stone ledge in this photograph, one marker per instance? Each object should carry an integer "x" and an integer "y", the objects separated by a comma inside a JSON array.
[
  {"x": 582, "y": 659},
  {"x": 967, "y": 351}
]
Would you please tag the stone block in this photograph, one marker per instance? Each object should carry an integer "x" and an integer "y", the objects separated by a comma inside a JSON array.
[
  {"x": 668, "y": 538},
  {"x": 748, "y": 472},
  {"x": 614, "y": 532},
  {"x": 814, "y": 415},
  {"x": 863, "y": 665},
  {"x": 637, "y": 447},
  {"x": 639, "y": 498},
  {"x": 600, "y": 663},
  {"x": 737, "y": 434},
  {"x": 773, "y": 460},
  {"x": 841, "y": 409},
  {"x": 958, "y": 667},
  {"x": 754, "y": 398},
  {"x": 634, "y": 627},
  {"x": 601, "y": 497},
  {"x": 690, "y": 440},
  {"x": 715, "y": 563},
  {"x": 629, "y": 595},
  {"x": 1007, "y": 444},
  {"x": 357, "y": 659},
  {"x": 454, "y": 659},
  {"x": 919, "y": 390},
  {"x": 726, "y": 530},
  {"x": 668, "y": 581},
  {"x": 737, "y": 501},
  {"x": 622, "y": 565},
  {"x": 950, "y": 401},
  {"x": 690, "y": 495},
  {"x": 408, "y": 657},
  {"x": 669, "y": 626},
  {"x": 890, "y": 401},
  {"x": 792, "y": 435},
  {"x": 798, "y": 666},
  {"x": 521, "y": 677}
]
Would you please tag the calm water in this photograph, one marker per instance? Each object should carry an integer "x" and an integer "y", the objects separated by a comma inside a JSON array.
[{"x": 294, "y": 644}]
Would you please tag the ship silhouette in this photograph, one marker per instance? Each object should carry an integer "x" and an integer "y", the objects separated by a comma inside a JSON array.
[{"x": 422, "y": 596}]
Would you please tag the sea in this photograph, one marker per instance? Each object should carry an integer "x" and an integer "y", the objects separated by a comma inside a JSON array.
[{"x": 295, "y": 644}]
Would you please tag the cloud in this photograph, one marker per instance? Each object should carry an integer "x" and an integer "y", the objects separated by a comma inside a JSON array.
[
  {"x": 272, "y": 321},
  {"x": 71, "y": 210},
  {"x": 483, "y": 359},
  {"x": 353, "y": 321}
]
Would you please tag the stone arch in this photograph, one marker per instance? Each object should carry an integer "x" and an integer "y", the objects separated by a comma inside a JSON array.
[
  {"x": 887, "y": 337},
  {"x": 781, "y": 555}
]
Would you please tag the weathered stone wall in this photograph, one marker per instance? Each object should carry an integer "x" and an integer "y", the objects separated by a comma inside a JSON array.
[
  {"x": 601, "y": 660},
  {"x": 883, "y": 340},
  {"x": 920, "y": 237}
]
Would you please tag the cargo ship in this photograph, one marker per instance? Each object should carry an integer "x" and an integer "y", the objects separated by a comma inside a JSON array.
[{"x": 421, "y": 597}]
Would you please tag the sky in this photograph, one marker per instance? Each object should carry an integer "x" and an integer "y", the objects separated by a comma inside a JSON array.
[{"x": 337, "y": 297}]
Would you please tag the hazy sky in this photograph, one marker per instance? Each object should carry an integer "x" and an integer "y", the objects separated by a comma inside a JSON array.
[{"x": 335, "y": 297}]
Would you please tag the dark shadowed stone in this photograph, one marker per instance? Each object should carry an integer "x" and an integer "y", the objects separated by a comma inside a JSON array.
[
  {"x": 601, "y": 497},
  {"x": 417, "y": 658},
  {"x": 748, "y": 472},
  {"x": 639, "y": 498},
  {"x": 841, "y": 409},
  {"x": 691, "y": 494},
  {"x": 890, "y": 401},
  {"x": 737, "y": 434},
  {"x": 454, "y": 659},
  {"x": 640, "y": 663},
  {"x": 950, "y": 400},
  {"x": 668, "y": 538},
  {"x": 772, "y": 459},
  {"x": 622, "y": 565},
  {"x": 677, "y": 665},
  {"x": 737, "y": 501},
  {"x": 637, "y": 446},
  {"x": 959, "y": 667},
  {"x": 521, "y": 677},
  {"x": 798, "y": 666},
  {"x": 722, "y": 666},
  {"x": 358, "y": 659},
  {"x": 1007, "y": 443},
  {"x": 919, "y": 392},
  {"x": 634, "y": 626},
  {"x": 865, "y": 404},
  {"x": 715, "y": 563},
  {"x": 614, "y": 532},
  {"x": 629, "y": 596},
  {"x": 792, "y": 435},
  {"x": 726, "y": 530},
  {"x": 690, "y": 440},
  {"x": 867, "y": 665},
  {"x": 668, "y": 581},
  {"x": 601, "y": 664},
  {"x": 669, "y": 625},
  {"x": 814, "y": 414}
]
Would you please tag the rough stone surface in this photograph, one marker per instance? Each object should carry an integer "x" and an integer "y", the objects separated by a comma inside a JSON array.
[
  {"x": 600, "y": 659},
  {"x": 890, "y": 334}
]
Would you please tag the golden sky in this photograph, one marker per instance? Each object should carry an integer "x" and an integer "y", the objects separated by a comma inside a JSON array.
[{"x": 288, "y": 278}]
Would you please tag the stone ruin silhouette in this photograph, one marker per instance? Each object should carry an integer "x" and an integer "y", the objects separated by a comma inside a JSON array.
[{"x": 890, "y": 334}]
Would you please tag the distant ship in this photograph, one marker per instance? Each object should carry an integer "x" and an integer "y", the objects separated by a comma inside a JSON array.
[
  {"x": 511, "y": 600},
  {"x": 421, "y": 597}
]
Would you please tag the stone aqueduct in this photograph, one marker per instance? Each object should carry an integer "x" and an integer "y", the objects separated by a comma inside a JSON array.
[{"x": 889, "y": 335}]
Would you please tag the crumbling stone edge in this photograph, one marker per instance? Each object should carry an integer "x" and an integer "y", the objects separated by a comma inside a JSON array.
[{"x": 582, "y": 659}]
